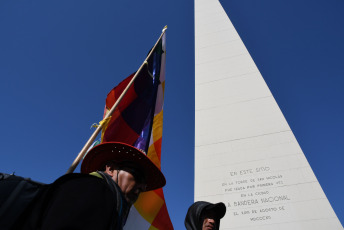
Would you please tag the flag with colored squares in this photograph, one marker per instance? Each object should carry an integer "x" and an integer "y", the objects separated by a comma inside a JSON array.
[{"x": 138, "y": 121}]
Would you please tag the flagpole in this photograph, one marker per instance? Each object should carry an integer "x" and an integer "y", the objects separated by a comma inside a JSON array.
[{"x": 99, "y": 128}]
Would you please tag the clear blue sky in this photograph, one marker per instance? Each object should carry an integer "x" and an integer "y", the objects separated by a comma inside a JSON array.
[{"x": 59, "y": 59}]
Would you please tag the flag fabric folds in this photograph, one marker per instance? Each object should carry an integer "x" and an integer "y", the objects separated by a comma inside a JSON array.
[{"x": 138, "y": 121}]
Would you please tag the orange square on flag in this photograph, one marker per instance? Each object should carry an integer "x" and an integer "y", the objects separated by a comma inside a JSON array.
[{"x": 148, "y": 205}]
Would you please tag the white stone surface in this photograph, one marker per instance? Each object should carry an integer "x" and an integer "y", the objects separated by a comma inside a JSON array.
[{"x": 245, "y": 153}]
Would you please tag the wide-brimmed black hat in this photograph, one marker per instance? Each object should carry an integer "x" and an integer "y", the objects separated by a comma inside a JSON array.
[{"x": 124, "y": 155}]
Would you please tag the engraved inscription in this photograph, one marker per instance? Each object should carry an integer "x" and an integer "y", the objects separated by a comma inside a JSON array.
[{"x": 253, "y": 195}]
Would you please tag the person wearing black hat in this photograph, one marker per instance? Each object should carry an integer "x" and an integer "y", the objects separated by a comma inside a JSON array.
[
  {"x": 95, "y": 199},
  {"x": 128, "y": 166},
  {"x": 203, "y": 215}
]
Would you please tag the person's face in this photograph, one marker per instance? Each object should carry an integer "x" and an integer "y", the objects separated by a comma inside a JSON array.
[
  {"x": 130, "y": 186},
  {"x": 209, "y": 221}
]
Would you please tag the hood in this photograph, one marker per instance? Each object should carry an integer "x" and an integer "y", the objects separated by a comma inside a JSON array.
[{"x": 193, "y": 216}]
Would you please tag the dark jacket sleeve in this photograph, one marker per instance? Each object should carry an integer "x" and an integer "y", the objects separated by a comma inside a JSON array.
[
  {"x": 73, "y": 202},
  {"x": 80, "y": 203}
]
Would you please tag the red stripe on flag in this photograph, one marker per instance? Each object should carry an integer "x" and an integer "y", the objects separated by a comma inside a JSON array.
[
  {"x": 157, "y": 146},
  {"x": 127, "y": 135},
  {"x": 116, "y": 92},
  {"x": 160, "y": 193},
  {"x": 162, "y": 220}
]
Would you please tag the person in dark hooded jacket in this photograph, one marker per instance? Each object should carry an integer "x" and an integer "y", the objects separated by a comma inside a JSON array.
[{"x": 203, "y": 215}]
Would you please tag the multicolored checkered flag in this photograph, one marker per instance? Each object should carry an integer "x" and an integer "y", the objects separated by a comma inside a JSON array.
[{"x": 138, "y": 121}]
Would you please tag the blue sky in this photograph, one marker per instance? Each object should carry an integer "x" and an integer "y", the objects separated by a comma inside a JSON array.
[{"x": 59, "y": 59}]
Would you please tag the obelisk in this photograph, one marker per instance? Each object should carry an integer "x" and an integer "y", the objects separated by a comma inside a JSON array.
[{"x": 246, "y": 155}]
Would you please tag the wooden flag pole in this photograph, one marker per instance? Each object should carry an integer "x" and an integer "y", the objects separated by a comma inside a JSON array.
[{"x": 99, "y": 128}]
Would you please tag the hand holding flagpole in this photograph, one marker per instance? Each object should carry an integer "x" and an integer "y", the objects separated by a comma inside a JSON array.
[{"x": 99, "y": 128}]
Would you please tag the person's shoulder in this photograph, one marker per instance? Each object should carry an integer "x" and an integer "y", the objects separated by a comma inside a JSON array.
[
  {"x": 79, "y": 179},
  {"x": 75, "y": 176},
  {"x": 81, "y": 187}
]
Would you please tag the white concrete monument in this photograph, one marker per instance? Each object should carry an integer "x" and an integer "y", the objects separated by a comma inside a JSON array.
[{"x": 245, "y": 152}]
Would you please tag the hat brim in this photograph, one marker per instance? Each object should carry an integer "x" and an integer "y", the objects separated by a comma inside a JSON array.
[
  {"x": 123, "y": 154},
  {"x": 219, "y": 209}
]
